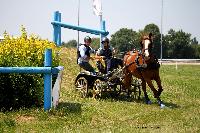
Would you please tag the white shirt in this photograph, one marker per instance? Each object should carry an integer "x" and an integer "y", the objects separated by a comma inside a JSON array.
[{"x": 82, "y": 50}]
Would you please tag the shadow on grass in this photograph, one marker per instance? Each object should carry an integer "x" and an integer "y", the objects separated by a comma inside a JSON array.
[
  {"x": 70, "y": 107},
  {"x": 121, "y": 97},
  {"x": 171, "y": 105},
  {"x": 124, "y": 98}
]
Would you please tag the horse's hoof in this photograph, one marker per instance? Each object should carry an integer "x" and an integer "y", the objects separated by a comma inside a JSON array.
[
  {"x": 148, "y": 102},
  {"x": 162, "y": 106},
  {"x": 160, "y": 102}
]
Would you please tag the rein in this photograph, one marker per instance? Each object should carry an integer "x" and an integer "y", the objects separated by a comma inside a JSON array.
[{"x": 145, "y": 49}]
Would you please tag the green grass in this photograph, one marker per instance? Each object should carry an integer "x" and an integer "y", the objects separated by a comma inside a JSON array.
[{"x": 181, "y": 95}]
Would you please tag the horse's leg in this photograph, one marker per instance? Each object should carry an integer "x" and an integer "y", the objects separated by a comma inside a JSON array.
[
  {"x": 127, "y": 81},
  {"x": 147, "y": 100},
  {"x": 158, "y": 81},
  {"x": 150, "y": 84}
]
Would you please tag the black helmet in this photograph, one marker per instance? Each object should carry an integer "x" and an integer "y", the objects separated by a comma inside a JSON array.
[
  {"x": 87, "y": 38},
  {"x": 105, "y": 39}
]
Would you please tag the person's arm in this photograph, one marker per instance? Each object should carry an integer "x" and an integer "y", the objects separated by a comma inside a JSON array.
[
  {"x": 113, "y": 50},
  {"x": 82, "y": 50},
  {"x": 93, "y": 51},
  {"x": 99, "y": 53}
]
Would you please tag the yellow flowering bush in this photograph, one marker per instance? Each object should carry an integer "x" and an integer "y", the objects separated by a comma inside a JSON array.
[{"x": 23, "y": 90}]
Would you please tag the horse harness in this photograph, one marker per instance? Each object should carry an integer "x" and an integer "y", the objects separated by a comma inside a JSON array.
[{"x": 138, "y": 66}]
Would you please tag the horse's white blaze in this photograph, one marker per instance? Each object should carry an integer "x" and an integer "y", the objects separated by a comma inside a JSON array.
[{"x": 146, "y": 44}]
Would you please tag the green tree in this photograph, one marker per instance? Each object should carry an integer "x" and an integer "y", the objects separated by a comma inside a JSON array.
[
  {"x": 197, "y": 51},
  {"x": 124, "y": 40},
  {"x": 194, "y": 41},
  {"x": 179, "y": 44},
  {"x": 70, "y": 43},
  {"x": 95, "y": 43}
]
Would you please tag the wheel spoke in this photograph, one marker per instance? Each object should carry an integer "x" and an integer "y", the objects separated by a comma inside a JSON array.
[
  {"x": 82, "y": 86},
  {"x": 135, "y": 91},
  {"x": 97, "y": 88}
]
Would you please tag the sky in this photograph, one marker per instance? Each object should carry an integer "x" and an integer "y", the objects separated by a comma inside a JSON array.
[{"x": 36, "y": 16}]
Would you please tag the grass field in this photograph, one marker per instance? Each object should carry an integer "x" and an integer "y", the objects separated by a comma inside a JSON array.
[{"x": 181, "y": 95}]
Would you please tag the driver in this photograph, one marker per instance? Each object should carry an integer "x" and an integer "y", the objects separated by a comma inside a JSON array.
[
  {"x": 84, "y": 55},
  {"x": 106, "y": 52}
]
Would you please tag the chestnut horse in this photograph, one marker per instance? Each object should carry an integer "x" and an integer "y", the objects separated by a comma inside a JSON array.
[{"x": 145, "y": 66}]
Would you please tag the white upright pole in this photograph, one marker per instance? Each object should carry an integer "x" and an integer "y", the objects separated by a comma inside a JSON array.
[
  {"x": 78, "y": 21},
  {"x": 77, "y": 45},
  {"x": 161, "y": 39},
  {"x": 101, "y": 27},
  {"x": 101, "y": 23}
]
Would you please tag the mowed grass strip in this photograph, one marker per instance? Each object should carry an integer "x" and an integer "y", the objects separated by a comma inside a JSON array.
[{"x": 74, "y": 114}]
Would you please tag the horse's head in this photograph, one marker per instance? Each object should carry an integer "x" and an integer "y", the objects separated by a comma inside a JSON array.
[{"x": 146, "y": 44}]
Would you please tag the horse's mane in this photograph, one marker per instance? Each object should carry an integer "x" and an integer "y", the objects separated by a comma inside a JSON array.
[{"x": 144, "y": 36}]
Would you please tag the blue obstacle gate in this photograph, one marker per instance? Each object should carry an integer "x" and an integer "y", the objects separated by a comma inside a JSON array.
[
  {"x": 57, "y": 24},
  {"x": 47, "y": 70}
]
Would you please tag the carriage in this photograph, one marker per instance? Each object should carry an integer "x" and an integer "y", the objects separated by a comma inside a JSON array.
[
  {"x": 100, "y": 84},
  {"x": 139, "y": 69}
]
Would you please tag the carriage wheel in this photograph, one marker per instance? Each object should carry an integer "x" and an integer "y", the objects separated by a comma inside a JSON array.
[
  {"x": 82, "y": 86},
  {"x": 135, "y": 88},
  {"x": 136, "y": 92},
  {"x": 97, "y": 88},
  {"x": 116, "y": 90}
]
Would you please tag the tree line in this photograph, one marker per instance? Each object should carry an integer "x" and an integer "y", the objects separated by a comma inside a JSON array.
[{"x": 175, "y": 44}]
